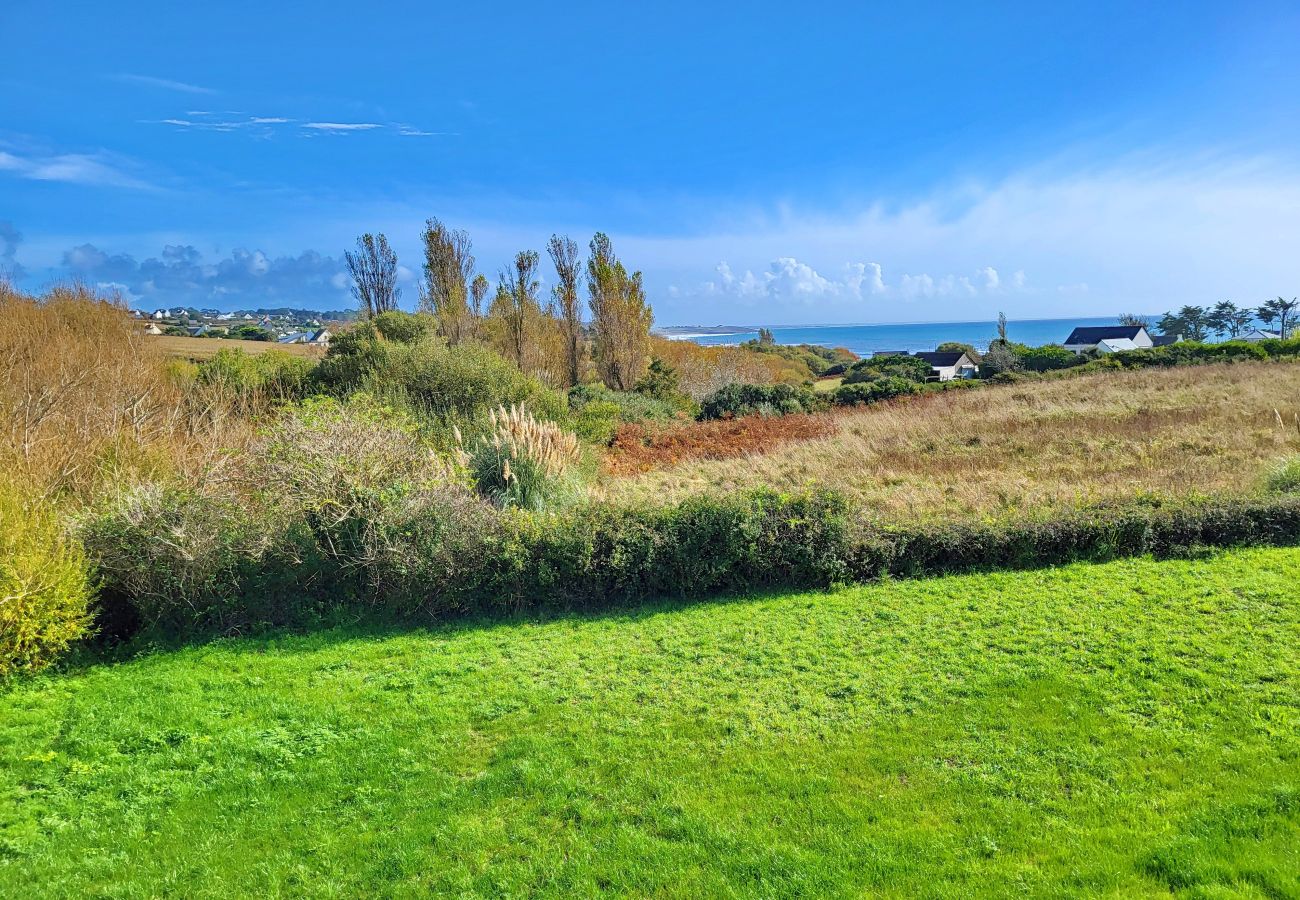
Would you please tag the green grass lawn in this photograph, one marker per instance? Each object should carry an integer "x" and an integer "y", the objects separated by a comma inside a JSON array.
[{"x": 1128, "y": 729}]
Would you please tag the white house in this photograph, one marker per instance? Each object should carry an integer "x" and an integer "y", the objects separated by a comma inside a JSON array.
[
  {"x": 1260, "y": 334},
  {"x": 1081, "y": 340},
  {"x": 949, "y": 366},
  {"x": 1115, "y": 345}
]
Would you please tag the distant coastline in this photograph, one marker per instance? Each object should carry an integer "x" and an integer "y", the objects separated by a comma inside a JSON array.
[
  {"x": 682, "y": 332},
  {"x": 912, "y": 337}
]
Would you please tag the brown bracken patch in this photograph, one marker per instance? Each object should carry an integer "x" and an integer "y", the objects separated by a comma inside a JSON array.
[{"x": 637, "y": 448}]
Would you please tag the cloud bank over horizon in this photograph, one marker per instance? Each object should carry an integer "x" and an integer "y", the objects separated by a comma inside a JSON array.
[
  {"x": 1040, "y": 243},
  {"x": 180, "y": 276}
]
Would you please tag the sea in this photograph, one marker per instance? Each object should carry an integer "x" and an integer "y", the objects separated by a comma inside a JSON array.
[{"x": 867, "y": 339}]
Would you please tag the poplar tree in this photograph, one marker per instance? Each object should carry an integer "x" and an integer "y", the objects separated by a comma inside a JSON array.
[
  {"x": 515, "y": 312},
  {"x": 620, "y": 318},
  {"x": 568, "y": 270},
  {"x": 374, "y": 274},
  {"x": 448, "y": 265}
]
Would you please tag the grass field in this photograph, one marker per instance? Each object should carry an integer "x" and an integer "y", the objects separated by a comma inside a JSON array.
[
  {"x": 1179, "y": 432},
  {"x": 1131, "y": 729},
  {"x": 206, "y": 348}
]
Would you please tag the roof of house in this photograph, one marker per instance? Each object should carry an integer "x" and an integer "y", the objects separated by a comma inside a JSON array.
[
  {"x": 1095, "y": 334},
  {"x": 941, "y": 360},
  {"x": 1263, "y": 332},
  {"x": 1164, "y": 340},
  {"x": 1116, "y": 344},
  {"x": 889, "y": 353}
]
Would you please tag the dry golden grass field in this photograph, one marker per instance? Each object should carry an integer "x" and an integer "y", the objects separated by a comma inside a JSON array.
[
  {"x": 206, "y": 348},
  {"x": 996, "y": 449}
]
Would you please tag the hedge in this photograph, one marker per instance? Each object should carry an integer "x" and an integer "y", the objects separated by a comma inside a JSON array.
[{"x": 453, "y": 557}]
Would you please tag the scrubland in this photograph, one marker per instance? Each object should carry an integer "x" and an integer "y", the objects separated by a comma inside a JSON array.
[{"x": 1181, "y": 431}]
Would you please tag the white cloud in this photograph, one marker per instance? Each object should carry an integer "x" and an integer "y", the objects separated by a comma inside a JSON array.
[
  {"x": 164, "y": 83},
  {"x": 788, "y": 280},
  {"x": 341, "y": 127},
  {"x": 1139, "y": 237},
  {"x": 74, "y": 168}
]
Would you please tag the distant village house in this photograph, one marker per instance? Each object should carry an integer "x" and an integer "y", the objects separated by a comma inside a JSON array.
[
  {"x": 949, "y": 366},
  {"x": 1259, "y": 334},
  {"x": 1115, "y": 338}
]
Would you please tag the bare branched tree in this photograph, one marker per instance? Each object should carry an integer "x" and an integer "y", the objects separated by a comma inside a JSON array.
[
  {"x": 1135, "y": 320},
  {"x": 448, "y": 265},
  {"x": 568, "y": 269},
  {"x": 374, "y": 274}
]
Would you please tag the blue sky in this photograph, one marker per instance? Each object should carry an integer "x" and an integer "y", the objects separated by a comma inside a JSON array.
[{"x": 762, "y": 163}]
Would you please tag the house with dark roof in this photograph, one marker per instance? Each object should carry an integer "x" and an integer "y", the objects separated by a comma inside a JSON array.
[
  {"x": 1164, "y": 340},
  {"x": 950, "y": 365},
  {"x": 1086, "y": 338}
]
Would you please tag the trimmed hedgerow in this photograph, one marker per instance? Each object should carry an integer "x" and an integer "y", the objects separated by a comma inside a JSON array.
[
  {"x": 441, "y": 552},
  {"x": 1090, "y": 534}
]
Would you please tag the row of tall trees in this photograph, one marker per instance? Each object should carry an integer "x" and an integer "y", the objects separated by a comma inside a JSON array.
[
  {"x": 549, "y": 339},
  {"x": 1227, "y": 319}
]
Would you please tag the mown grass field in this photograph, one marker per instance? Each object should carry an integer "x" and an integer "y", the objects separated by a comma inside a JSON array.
[
  {"x": 1131, "y": 729},
  {"x": 1001, "y": 449},
  {"x": 198, "y": 348}
]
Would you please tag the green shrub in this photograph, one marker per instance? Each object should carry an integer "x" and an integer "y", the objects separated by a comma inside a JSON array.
[
  {"x": 1048, "y": 358},
  {"x": 736, "y": 400},
  {"x": 44, "y": 585},
  {"x": 816, "y": 359},
  {"x": 632, "y": 406},
  {"x": 405, "y": 328},
  {"x": 597, "y": 421},
  {"x": 449, "y": 387},
  {"x": 523, "y": 462},
  {"x": 1285, "y": 477},
  {"x": 600, "y": 555},
  {"x": 906, "y": 368},
  {"x": 883, "y": 388},
  {"x": 273, "y": 375}
]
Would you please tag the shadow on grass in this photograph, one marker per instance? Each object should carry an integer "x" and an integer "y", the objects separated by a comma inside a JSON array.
[
  {"x": 351, "y": 624},
  {"x": 374, "y": 625}
]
